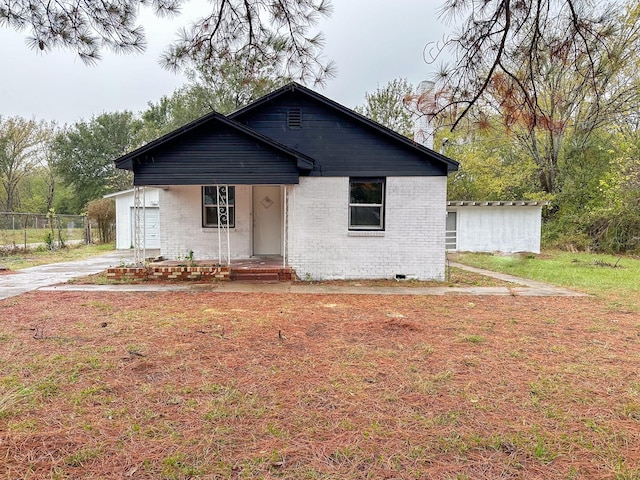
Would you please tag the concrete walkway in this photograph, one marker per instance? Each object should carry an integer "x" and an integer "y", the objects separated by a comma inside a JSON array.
[
  {"x": 52, "y": 278},
  {"x": 522, "y": 286},
  {"x": 320, "y": 289}
]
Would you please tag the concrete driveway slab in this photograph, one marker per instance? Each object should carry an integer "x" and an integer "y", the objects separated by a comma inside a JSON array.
[{"x": 32, "y": 278}]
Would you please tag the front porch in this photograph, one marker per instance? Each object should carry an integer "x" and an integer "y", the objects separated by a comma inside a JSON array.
[{"x": 221, "y": 222}]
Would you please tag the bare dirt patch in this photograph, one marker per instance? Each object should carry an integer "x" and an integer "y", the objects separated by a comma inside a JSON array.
[{"x": 214, "y": 385}]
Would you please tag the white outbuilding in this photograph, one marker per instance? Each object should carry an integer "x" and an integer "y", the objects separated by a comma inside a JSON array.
[
  {"x": 500, "y": 226},
  {"x": 125, "y": 218}
]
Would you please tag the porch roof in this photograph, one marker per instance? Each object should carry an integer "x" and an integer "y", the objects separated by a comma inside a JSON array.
[{"x": 214, "y": 150}]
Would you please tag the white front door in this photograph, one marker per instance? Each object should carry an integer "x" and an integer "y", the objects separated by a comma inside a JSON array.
[{"x": 267, "y": 220}]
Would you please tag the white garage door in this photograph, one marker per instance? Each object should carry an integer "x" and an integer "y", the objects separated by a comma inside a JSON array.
[{"x": 151, "y": 227}]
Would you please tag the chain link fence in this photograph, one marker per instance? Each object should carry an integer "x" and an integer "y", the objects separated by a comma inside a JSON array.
[{"x": 33, "y": 230}]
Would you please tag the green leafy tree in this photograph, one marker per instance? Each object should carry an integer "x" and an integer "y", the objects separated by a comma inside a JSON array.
[
  {"x": 387, "y": 106},
  {"x": 23, "y": 147},
  {"x": 238, "y": 80},
  {"x": 38, "y": 191},
  {"x": 172, "y": 111},
  {"x": 224, "y": 88},
  {"x": 614, "y": 223},
  {"x": 491, "y": 167},
  {"x": 554, "y": 80},
  {"x": 84, "y": 155}
]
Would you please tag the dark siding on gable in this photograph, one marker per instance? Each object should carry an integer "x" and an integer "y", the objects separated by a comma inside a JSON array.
[
  {"x": 340, "y": 145},
  {"x": 214, "y": 154}
]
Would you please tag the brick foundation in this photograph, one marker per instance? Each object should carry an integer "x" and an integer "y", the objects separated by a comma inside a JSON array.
[{"x": 168, "y": 273}]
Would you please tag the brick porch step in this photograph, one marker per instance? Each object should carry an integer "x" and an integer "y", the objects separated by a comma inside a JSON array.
[
  {"x": 264, "y": 274},
  {"x": 254, "y": 276}
]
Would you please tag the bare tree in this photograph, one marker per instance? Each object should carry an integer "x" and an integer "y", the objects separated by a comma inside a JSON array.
[
  {"x": 279, "y": 30},
  {"x": 494, "y": 33},
  {"x": 551, "y": 69},
  {"x": 23, "y": 144}
]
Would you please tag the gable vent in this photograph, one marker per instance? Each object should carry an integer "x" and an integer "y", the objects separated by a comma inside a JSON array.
[{"x": 294, "y": 118}]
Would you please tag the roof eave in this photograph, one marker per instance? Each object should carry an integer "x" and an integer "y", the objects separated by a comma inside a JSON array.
[
  {"x": 125, "y": 162},
  {"x": 497, "y": 203}
]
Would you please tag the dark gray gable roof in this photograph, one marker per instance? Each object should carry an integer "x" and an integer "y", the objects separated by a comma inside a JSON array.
[
  {"x": 451, "y": 165},
  {"x": 126, "y": 161}
]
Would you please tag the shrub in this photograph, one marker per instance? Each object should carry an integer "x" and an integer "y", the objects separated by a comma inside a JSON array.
[{"x": 103, "y": 212}]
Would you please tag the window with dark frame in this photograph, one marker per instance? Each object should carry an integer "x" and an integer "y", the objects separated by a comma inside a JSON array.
[
  {"x": 366, "y": 203},
  {"x": 211, "y": 203}
]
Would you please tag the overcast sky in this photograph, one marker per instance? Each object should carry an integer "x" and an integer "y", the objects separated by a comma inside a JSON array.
[{"x": 371, "y": 41}]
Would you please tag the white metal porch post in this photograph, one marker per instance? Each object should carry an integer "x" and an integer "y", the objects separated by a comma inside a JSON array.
[
  {"x": 139, "y": 226},
  {"x": 222, "y": 200},
  {"x": 285, "y": 223}
]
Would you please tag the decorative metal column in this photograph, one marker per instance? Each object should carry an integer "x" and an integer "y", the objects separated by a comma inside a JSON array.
[
  {"x": 285, "y": 226},
  {"x": 222, "y": 191},
  {"x": 139, "y": 226}
]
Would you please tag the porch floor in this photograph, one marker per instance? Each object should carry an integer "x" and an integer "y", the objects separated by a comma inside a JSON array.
[{"x": 263, "y": 268}]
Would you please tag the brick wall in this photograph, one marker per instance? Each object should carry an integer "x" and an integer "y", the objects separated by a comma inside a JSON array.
[
  {"x": 182, "y": 231},
  {"x": 320, "y": 245},
  {"x": 168, "y": 273}
]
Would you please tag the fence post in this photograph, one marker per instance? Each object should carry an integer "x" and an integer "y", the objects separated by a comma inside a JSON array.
[
  {"x": 59, "y": 227},
  {"x": 26, "y": 220},
  {"x": 87, "y": 229}
]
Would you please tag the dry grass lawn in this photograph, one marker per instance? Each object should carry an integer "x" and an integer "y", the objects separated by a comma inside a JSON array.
[{"x": 210, "y": 385}]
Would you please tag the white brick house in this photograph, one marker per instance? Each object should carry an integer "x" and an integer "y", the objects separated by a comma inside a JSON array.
[{"x": 300, "y": 177}]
